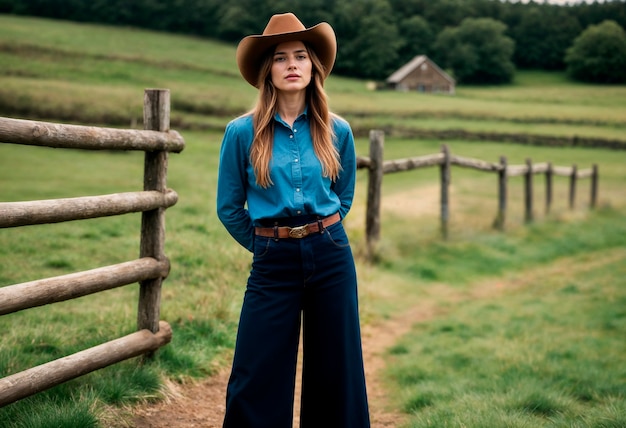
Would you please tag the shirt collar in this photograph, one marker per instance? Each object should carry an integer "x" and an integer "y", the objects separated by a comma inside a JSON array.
[{"x": 304, "y": 114}]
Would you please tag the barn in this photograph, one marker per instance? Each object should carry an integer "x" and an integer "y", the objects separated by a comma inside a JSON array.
[{"x": 423, "y": 75}]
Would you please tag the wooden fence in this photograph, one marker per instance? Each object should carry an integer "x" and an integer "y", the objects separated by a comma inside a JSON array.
[
  {"x": 378, "y": 167},
  {"x": 150, "y": 269}
]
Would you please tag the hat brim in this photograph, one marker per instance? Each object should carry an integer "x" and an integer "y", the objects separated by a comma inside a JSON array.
[{"x": 251, "y": 49}]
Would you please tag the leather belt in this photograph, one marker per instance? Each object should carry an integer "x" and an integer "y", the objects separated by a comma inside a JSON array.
[{"x": 298, "y": 232}]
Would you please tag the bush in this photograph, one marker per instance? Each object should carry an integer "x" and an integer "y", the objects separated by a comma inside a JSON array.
[
  {"x": 477, "y": 51},
  {"x": 598, "y": 55}
]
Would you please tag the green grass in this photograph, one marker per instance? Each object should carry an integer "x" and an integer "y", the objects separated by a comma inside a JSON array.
[
  {"x": 526, "y": 374},
  {"x": 56, "y": 72},
  {"x": 540, "y": 348},
  {"x": 202, "y": 294}
]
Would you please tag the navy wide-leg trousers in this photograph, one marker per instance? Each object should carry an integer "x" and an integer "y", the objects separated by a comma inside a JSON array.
[{"x": 312, "y": 279}]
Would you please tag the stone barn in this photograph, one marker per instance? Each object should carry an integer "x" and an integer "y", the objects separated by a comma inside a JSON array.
[{"x": 421, "y": 74}]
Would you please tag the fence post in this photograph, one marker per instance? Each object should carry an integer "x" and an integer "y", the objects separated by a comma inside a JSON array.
[
  {"x": 594, "y": 185},
  {"x": 445, "y": 185},
  {"x": 502, "y": 181},
  {"x": 156, "y": 117},
  {"x": 374, "y": 189},
  {"x": 549, "y": 175},
  {"x": 572, "y": 187},
  {"x": 528, "y": 191}
]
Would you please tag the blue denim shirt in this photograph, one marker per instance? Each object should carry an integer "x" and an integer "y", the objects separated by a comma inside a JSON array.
[{"x": 299, "y": 187}]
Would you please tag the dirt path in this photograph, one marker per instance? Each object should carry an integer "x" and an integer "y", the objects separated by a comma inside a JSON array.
[{"x": 202, "y": 404}]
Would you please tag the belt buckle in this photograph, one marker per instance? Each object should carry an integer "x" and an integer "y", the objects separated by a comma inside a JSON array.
[{"x": 299, "y": 232}]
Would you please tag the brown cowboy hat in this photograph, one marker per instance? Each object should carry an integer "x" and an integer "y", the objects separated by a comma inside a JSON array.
[{"x": 281, "y": 28}]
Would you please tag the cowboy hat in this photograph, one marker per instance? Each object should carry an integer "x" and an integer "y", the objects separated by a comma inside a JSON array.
[{"x": 284, "y": 28}]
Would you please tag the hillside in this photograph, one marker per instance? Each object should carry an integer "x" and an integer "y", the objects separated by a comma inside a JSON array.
[{"x": 55, "y": 70}]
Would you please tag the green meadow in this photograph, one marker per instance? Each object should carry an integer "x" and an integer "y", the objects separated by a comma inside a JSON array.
[{"x": 526, "y": 327}]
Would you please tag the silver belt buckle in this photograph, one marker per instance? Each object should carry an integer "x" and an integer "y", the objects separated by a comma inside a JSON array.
[{"x": 299, "y": 232}]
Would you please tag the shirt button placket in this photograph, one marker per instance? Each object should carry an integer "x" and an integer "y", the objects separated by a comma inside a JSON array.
[{"x": 297, "y": 174}]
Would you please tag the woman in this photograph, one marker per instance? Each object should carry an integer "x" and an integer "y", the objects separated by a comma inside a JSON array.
[{"x": 286, "y": 180}]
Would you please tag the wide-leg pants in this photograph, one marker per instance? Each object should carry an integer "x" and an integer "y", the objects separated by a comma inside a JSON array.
[{"x": 312, "y": 279}]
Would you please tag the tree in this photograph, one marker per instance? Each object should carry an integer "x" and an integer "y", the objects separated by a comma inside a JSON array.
[
  {"x": 236, "y": 21},
  {"x": 477, "y": 51},
  {"x": 416, "y": 37},
  {"x": 368, "y": 39},
  {"x": 598, "y": 54},
  {"x": 542, "y": 36},
  {"x": 378, "y": 47},
  {"x": 444, "y": 13}
]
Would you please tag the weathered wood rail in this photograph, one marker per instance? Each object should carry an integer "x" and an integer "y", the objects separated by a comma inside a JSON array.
[
  {"x": 377, "y": 167},
  {"x": 149, "y": 270}
]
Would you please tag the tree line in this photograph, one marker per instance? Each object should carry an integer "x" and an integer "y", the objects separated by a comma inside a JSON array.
[{"x": 478, "y": 41}]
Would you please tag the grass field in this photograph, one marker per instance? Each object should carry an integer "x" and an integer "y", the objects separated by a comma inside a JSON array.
[{"x": 530, "y": 322}]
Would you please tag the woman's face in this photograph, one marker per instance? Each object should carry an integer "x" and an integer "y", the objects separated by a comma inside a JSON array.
[{"x": 291, "y": 67}]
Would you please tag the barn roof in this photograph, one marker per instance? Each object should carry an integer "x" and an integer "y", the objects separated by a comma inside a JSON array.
[{"x": 407, "y": 68}]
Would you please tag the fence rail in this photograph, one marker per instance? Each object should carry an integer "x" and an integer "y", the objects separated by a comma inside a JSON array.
[
  {"x": 14, "y": 214},
  {"x": 150, "y": 269},
  {"x": 62, "y": 136},
  {"x": 377, "y": 167},
  {"x": 66, "y": 287},
  {"x": 42, "y": 377}
]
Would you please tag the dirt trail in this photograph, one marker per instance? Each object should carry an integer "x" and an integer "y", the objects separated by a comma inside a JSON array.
[{"x": 202, "y": 404}]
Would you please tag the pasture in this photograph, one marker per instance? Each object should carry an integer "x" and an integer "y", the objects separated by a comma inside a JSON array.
[{"x": 525, "y": 326}]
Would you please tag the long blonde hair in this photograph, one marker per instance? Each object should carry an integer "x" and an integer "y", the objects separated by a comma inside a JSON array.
[{"x": 321, "y": 122}]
